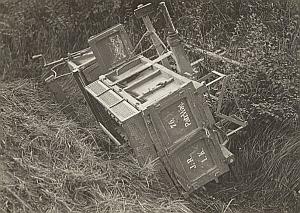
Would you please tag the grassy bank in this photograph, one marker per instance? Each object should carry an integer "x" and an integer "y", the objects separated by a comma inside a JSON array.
[{"x": 50, "y": 163}]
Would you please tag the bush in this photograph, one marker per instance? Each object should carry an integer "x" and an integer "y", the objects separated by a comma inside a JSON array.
[
  {"x": 269, "y": 85},
  {"x": 265, "y": 38}
]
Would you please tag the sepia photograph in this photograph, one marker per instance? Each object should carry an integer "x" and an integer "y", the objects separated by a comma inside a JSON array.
[{"x": 148, "y": 106}]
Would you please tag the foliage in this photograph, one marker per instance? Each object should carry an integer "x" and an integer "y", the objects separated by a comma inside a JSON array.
[
  {"x": 267, "y": 43},
  {"x": 53, "y": 28},
  {"x": 269, "y": 86}
]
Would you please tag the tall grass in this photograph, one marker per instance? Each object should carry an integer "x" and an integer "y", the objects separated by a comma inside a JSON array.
[
  {"x": 50, "y": 163},
  {"x": 267, "y": 166}
]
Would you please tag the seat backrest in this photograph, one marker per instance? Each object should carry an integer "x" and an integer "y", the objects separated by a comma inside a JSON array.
[{"x": 111, "y": 48}]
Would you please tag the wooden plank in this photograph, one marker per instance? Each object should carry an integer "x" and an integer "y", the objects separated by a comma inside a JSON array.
[
  {"x": 142, "y": 68},
  {"x": 214, "y": 81},
  {"x": 233, "y": 120},
  {"x": 157, "y": 87},
  {"x": 142, "y": 80},
  {"x": 214, "y": 55},
  {"x": 221, "y": 97}
]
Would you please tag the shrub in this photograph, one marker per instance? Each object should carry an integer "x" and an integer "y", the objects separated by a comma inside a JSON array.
[
  {"x": 265, "y": 38},
  {"x": 269, "y": 85}
]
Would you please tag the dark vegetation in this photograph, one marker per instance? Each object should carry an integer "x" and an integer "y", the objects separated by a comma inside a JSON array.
[{"x": 51, "y": 163}]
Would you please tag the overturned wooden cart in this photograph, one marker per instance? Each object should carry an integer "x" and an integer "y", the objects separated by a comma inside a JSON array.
[{"x": 155, "y": 104}]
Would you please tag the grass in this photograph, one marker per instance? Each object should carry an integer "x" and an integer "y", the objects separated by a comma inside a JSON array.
[
  {"x": 267, "y": 167},
  {"x": 50, "y": 163}
]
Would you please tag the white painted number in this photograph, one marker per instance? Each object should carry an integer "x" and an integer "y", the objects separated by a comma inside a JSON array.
[{"x": 172, "y": 123}]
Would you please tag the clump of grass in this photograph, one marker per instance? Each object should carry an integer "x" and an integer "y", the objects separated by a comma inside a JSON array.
[
  {"x": 267, "y": 168},
  {"x": 51, "y": 163}
]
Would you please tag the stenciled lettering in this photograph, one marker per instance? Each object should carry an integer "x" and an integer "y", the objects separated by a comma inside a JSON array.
[
  {"x": 191, "y": 163},
  {"x": 172, "y": 123},
  {"x": 184, "y": 115},
  {"x": 199, "y": 156},
  {"x": 193, "y": 166},
  {"x": 203, "y": 160},
  {"x": 190, "y": 160},
  {"x": 202, "y": 154}
]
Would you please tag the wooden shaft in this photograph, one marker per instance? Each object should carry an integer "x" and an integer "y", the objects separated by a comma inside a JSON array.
[
  {"x": 168, "y": 19},
  {"x": 158, "y": 44},
  {"x": 214, "y": 55}
]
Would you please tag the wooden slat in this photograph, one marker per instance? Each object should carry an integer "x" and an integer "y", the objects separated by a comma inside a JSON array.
[
  {"x": 214, "y": 55},
  {"x": 214, "y": 81},
  {"x": 204, "y": 78},
  {"x": 142, "y": 68},
  {"x": 231, "y": 119},
  {"x": 221, "y": 97},
  {"x": 158, "y": 86},
  {"x": 234, "y": 131},
  {"x": 146, "y": 77}
]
